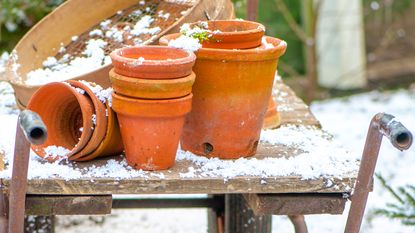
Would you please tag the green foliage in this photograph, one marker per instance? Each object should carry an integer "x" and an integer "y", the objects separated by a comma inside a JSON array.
[
  {"x": 17, "y": 16},
  {"x": 276, "y": 26},
  {"x": 403, "y": 208}
]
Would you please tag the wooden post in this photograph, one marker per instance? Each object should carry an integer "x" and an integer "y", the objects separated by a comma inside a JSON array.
[
  {"x": 240, "y": 218},
  {"x": 252, "y": 10}
]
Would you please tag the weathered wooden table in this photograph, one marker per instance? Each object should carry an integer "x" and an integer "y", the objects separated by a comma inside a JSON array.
[{"x": 243, "y": 203}]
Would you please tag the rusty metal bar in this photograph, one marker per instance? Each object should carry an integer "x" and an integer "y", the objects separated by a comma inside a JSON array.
[
  {"x": 299, "y": 223},
  {"x": 252, "y": 10},
  {"x": 30, "y": 129},
  {"x": 381, "y": 125}
]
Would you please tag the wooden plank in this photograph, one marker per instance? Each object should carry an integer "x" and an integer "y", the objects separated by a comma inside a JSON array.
[
  {"x": 296, "y": 204},
  {"x": 68, "y": 205},
  {"x": 390, "y": 69},
  {"x": 291, "y": 108}
]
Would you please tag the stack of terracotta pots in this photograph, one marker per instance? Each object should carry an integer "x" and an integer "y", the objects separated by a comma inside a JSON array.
[
  {"x": 152, "y": 95},
  {"x": 77, "y": 121},
  {"x": 235, "y": 70}
]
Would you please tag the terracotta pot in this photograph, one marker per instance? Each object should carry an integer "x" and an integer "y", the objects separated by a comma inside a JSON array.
[
  {"x": 151, "y": 129},
  {"x": 64, "y": 111},
  {"x": 272, "y": 117},
  {"x": 112, "y": 143},
  {"x": 158, "y": 62},
  {"x": 233, "y": 34},
  {"x": 152, "y": 89},
  {"x": 101, "y": 121},
  {"x": 227, "y": 113}
]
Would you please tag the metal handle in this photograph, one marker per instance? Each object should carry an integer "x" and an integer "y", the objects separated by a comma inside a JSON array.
[
  {"x": 33, "y": 127},
  {"x": 398, "y": 135},
  {"x": 381, "y": 125}
]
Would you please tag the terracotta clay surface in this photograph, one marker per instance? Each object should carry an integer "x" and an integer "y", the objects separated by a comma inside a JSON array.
[
  {"x": 64, "y": 111},
  {"x": 152, "y": 89},
  {"x": 151, "y": 129},
  {"x": 231, "y": 95},
  {"x": 101, "y": 121},
  {"x": 152, "y": 62},
  {"x": 233, "y": 34},
  {"x": 112, "y": 143}
]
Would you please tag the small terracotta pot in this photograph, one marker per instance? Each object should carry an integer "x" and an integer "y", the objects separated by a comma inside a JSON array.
[
  {"x": 272, "y": 117},
  {"x": 233, "y": 34},
  {"x": 231, "y": 95},
  {"x": 101, "y": 121},
  {"x": 152, "y": 89},
  {"x": 112, "y": 143},
  {"x": 64, "y": 111},
  {"x": 151, "y": 129},
  {"x": 159, "y": 62}
]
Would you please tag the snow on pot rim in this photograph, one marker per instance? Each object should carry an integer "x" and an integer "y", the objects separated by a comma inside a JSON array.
[
  {"x": 270, "y": 49},
  {"x": 153, "y": 62},
  {"x": 100, "y": 119},
  {"x": 231, "y": 34}
]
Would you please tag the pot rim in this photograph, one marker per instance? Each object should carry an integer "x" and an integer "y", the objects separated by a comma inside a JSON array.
[
  {"x": 85, "y": 136},
  {"x": 232, "y": 54},
  {"x": 161, "y": 108},
  {"x": 117, "y": 56},
  {"x": 259, "y": 29},
  {"x": 144, "y": 81}
]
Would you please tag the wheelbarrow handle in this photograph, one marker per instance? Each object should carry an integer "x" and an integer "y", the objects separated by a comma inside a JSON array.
[
  {"x": 33, "y": 127},
  {"x": 395, "y": 131},
  {"x": 382, "y": 124}
]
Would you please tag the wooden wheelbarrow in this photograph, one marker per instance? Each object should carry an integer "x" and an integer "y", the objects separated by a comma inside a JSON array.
[{"x": 31, "y": 127}]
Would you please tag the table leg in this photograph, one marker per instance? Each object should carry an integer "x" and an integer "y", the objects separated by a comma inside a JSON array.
[
  {"x": 240, "y": 218},
  {"x": 4, "y": 211},
  {"x": 38, "y": 224},
  {"x": 216, "y": 214}
]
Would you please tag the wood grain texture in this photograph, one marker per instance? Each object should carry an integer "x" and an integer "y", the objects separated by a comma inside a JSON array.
[
  {"x": 295, "y": 112},
  {"x": 68, "y": 205},
  {"x": 296, "y": 204}
]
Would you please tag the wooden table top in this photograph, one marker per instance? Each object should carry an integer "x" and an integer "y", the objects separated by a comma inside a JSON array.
[{"x": 292, "y": 111}]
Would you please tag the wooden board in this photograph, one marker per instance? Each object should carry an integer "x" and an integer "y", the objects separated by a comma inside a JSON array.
[
  {"x": 295, "y": 204},
  {"x": 296, "y": 112}
]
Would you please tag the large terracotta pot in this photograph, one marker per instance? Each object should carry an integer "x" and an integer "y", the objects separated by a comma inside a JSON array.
[
  {"x": 152, "y": 88},
  {"x": 231, "y": 94},
  {"x": 64, "y": 112},
  {"x": 152, "y": 62},
  {"x": 232, "y": 34},
  {"x": 151, "y": 129}
]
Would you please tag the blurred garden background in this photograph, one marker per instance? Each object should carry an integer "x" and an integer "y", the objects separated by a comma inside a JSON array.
[{"x": 348, "y": 58}]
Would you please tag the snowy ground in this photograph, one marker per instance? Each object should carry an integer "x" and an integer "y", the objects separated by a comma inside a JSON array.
[{"x": 347, "y": 119}]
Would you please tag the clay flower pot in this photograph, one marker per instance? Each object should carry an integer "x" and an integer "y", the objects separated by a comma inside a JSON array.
[
  {"x": 101, "y": 121},
  {"x": 112, "y": 143},
  {"x": 230, "y": 98},
  {"x": 151, "y": 129},
  {"x": 232, "y": 34},
  {"x": 152, "y": 62},
  {"x": 272, "y": 117},
  {"x": 64, "y": 112},
  {"x": 152, "y": 89}
]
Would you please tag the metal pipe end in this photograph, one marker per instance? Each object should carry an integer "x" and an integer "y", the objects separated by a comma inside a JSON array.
[
  {"x": 33, "y": 127},
  {"x": 402, "y": 140},
  {"x": 395, "y": 131}
]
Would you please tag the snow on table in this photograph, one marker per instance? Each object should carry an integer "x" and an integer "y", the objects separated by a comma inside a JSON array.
[{"x": 297, "y": 157}]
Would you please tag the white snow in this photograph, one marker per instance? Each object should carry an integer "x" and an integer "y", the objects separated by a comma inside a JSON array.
[
  {"x": 103, "y": 95},
  {"x": 55, "y": 151},
  {"x": 186, "y": 43},
  {"x": 3, "y": 60}
]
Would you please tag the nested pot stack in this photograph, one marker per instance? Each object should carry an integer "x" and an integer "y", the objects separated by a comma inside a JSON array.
[
  {"x": 76, "y": 120},
  {"x": 152, "y": 95},
  {"x": 231, "y": 93}
]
